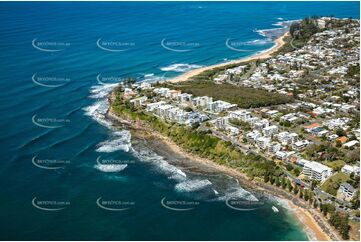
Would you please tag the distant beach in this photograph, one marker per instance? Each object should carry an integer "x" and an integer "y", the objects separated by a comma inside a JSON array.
[
  {"x": 169, "y": 149},
  {"x": 279, "y": 42}
]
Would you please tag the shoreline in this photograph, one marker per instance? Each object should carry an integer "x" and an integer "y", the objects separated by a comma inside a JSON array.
[
  {"x": 279, "y": 42},
  {"x": 311, "y": 221}
]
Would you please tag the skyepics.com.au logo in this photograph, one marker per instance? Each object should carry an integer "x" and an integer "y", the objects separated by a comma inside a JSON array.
[
  {"x": 179, "y": 46},
  {"x": 238, "y": 46},
  {"x": 50, "y": 46},
  {"x": 101, "y": 161},
  {"x": 49, "y": 205},
  {"x": 244, "y": 205},
  {"x": 114, "y": 205},
  {"x": 49, "y": 164},
  {"x": 114, "y": 46},
  {"x": 179, "y": 205},
  {"x": 103, "y": 80},
  {"x": 49, "y": 123},
  {"x": 49, "y": 81}
]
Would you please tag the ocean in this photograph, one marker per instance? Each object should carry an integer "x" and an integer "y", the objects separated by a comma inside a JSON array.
[{"x": 67, "y": 173}]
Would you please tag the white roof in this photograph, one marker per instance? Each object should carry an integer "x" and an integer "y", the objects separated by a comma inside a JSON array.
[
  {"x": 351, "y": 168},
  {"x": 318, "y": 167},
  {"x": 351, "y": 143}
]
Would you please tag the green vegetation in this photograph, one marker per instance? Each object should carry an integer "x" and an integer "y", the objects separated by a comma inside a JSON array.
[
  {"x": 353, "y": 71},
  {"x": 198, "y": 142},
  {"x": 332, "y": 184},
  {"x": 302, "y": 31},
  {"x": 325, "y": 151},
  {"x": 241, "y": 124},
  {"x": 335, "y": 165},
  {"x": 242, "y": 96},
  {"x": 341, "y": 223}
]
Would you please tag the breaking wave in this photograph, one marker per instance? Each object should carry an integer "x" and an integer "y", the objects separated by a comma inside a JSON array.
[
  {"x": 110, "y": 168},
  {"x": 238, "y": 192},
  {"x": 192, "y": 185},
  {"x": 97, "y": 112},
  {"x": 171, "y": 171},
  {"x": 180, "y": 67},
  {"x": 120, "y": 140},
  {"x": 273, "y": 33},
  {"x": 101, "y": 91}
]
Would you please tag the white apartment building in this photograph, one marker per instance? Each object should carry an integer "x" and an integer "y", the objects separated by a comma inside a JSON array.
[
  {"x": 219, "y": 106},
  {"x": 351, "y": 169},
  {"x": 253, "y": 135},
  {"x": 263, "y": 142},
  {"x": 274, "y": 147},
  {"x": 317, "y": 171},
  {"x": 243, "y": 115},
  {"x": 261, "y": 124},
  {"x": 287, "y": 138},
  {"x": 202, "y": 101},
  {"x": 270, "y": 130},
  {"x": 152, "y": 106},
  {"x": 347, "y": 190}
]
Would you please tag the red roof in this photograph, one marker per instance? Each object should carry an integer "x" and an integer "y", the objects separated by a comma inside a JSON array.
[
  {"x": 343, "y": 139},
  {"x": 311, "y": 126}
]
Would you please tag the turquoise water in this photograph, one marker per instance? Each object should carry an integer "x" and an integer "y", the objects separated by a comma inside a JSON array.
[{"x": 52, "y": 115}]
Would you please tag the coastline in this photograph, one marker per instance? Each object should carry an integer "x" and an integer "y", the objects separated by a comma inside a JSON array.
[
  {"x": 279, "y": 42},
  {"x": 312, "y": 222},
  {"x": 314, "y": 225}
]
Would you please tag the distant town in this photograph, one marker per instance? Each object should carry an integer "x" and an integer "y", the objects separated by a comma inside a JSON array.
[{"x": 312, "y": 134}]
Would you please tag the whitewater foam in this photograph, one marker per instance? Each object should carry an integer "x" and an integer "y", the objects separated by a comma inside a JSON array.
[
  {"x": 110, "y": 168},
  {"x": 97, "y": 112},
  {"x": 171, "y": 171},
  {"x": 192, "y": 185},
  {"x": 101, "y": 91},
  {"x": 239, "y": 193},
  {"x": 120, "y": 140},
  {"x": 181, "y": 67}
]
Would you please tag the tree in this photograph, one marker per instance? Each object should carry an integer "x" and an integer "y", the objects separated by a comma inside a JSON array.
[
  {"x": 306, "y": 195},
  {"x": 272, "y": 180},
  {"x": 295, "y": 190},
  {"x": 335, "y": 219},
  {"x": 290, "y": 187},
  {"x": 266, "y": 178},
  {"x": 289, "y": 167},
  {"x": 301, "y": 193},
  {"x": 313, "y": 184},
  {"x": 315, "y": 204},
  {"x": 340, "y": 132},
  {"x": 284, "y": 183},
  {"x": 344, "y": 227},
  {"x": 278, "y": 183}
]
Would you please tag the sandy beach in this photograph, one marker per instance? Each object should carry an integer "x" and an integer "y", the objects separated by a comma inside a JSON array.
[
  {"x": 314, "y": 224},
  {"x": 312, "y": 228},
  {"x": 279, "y": 42}
]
